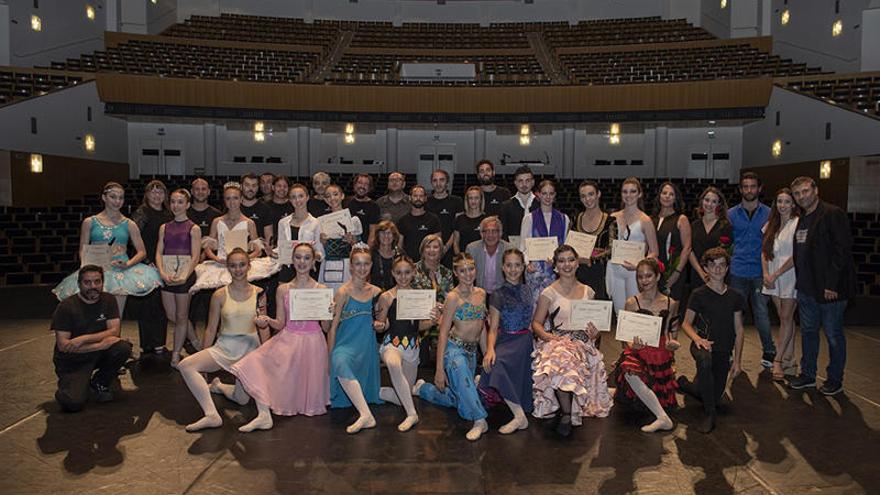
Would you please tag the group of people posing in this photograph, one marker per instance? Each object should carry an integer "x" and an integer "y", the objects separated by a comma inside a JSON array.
[{"x": 496, "y": 309}]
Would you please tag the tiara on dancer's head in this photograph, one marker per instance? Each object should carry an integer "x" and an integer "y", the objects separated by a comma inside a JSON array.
[{"x": 232, "y": 183}]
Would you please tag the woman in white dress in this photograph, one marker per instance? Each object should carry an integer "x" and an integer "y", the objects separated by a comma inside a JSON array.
[
  {"x": 631, "y": 223},
  {"x": 779, "y": 276},
  {"x": 212, "y": 272},
  {"x": 299, "y": 226}
]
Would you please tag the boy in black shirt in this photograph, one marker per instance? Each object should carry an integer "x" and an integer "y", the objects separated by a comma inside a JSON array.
[
  {"x": 86, "y": 327},
  {"x": 713, "y": 321}
]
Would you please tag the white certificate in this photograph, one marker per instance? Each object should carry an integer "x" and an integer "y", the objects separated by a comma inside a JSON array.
[
  {"x": 632, "y": 251},
  {"x": 587, "y": 310},
  {"x": 645, "y": 327},
  {"x": 177, "y": 265},
  {"x": 335, "y": 225},
  {"x": 285, "y": 252},
  {"x": 513, "y": 240},
  {"x": 96, "y": 254},
  {"x": 235, "y": 239},
  {"x": 540, "y": 248},
  {"x": 310, "y": 304},
  {"x": 415, "y": 304},
  {"x": 582, "y": 243}
]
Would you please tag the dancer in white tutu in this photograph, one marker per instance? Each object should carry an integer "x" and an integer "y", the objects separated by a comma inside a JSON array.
[{"x": 212, "y": 273}]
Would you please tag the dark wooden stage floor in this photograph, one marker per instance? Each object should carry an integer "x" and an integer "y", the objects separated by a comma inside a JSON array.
[{"x": 769, "y": 441}]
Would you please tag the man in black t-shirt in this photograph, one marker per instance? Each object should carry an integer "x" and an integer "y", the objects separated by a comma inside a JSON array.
[
  {"x": 446, "y": 207},
  {"x": 86, "y": 327},
  {"x": 280, "y": 205},
  {"x": 493, "y": 195},
  {"x": 253, "y": 208},
  {"x": 200, "y": 212},
  {"x": 266, "y": 181},
  {"x": 713, "y": 321},
  {"x": 317, "y": 206},
  {"x": 418, "y": 223},
  {"x": 361, "y": 206}
]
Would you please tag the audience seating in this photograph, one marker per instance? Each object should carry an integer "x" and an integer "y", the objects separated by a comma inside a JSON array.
[
  {"x": 859, "y": 91},
  {"x": 19, "y": 84},
  {"x": 607, "y": 32}
]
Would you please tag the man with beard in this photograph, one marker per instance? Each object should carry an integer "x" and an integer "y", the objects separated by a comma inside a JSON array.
[
  {"x": 363, "y": 207},
  {"x": 200, "y": 212},
  {"x": 418, "y": 223},
  {"x": 514, "y": 209},
  {"x": 746, "y": 276},
  {"x": 493, "y": 195},
  {"x": 86, "y": 327},
  {"x": 446, "y": 207},
  {"x": 826, "y": 280},
  {"x": 394, "y": 205},
  {"x": 316, "y": 205},
  {"x": 280, "y": 205},
  {"x": 266, "y": 181},
  {"x": 253, "y": 208}
]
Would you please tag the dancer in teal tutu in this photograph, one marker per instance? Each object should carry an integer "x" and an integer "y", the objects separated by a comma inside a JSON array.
[{"x": 124, "y": 276}]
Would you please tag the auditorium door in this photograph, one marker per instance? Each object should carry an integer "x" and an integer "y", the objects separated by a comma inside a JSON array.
[
  {"x": 432, "y": 157},
  {"x": 161, "y": 157},
  {"x": 709, "y": 162}
]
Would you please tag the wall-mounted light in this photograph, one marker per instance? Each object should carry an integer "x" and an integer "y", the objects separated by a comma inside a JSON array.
[
  {"x": 89, "y": 142},
  {"x": 525, "y": 140},
  {"x": 90, "y": 13},
  {"x": 259, "y": 137},
  {"x": 36, "y": 23},
  {"x": 614, "y": 139},
  {"x": 36, "y": 163},
  {"x": 615, "y": 128},
  {"x": 524, "y": 130},
  {"x": 837, "y": 28},
  {"x": 349, "y": 138},
  {"x": 614, "y": 134},
  {"x": 776, "y": 148},
  {"x": 349, "y": 133},
  {"x": 825, "y": 169},
  {"x": 723, "y": 4},
  {"x": 349, "y": 128},
  {"x": 259, "y": 126},
  {"x": 785, "y": 17},
  {"x": 153, "y": 1}
]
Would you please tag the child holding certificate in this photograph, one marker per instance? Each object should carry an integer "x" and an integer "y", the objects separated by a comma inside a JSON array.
[
  {"x": 644, "y": 372},
  {"x": 713, "y": 321},
  {"x": 400, "y": 345},
  {"x": 569, "y": 371},
  {"x": 507, "y": 365},
  {"x": 234, "y": 319},
  {"x": 545, "y": 221},
  {"x": 354, "y": 355},
  {"x": 334, "y": 268},
  {"x": 464, "y": 315},
  {"x": 178, "y": 250},
  {"x": 288, "y": 374}
]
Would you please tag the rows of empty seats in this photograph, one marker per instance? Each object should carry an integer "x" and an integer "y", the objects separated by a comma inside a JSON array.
[
  {"x": 678, "y": 64},
  {"x": 196, "y": 61},
  {"x": 607, "y": 32},
  {"x": 16, "y": 85},
  {"x": 235, "y": 27},
  {"x": 441, "y": 36},
  {"x": 859, "y": 91},
  {"x": 385, "y": 68}
]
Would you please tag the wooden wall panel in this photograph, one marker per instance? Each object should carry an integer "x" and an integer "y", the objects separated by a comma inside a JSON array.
[
  {"x": 63, "y": 178},
  {"x": 834, "y": 190}
]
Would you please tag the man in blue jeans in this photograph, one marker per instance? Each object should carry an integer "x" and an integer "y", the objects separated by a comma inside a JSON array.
[
  {"x": 826, "y": 279},
  {"x": 746, "y": 277}
]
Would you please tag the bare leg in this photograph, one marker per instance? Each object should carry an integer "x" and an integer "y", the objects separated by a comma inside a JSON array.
[
  {"x": 353, "y": 390},
  {"x": 785, "y": 349},
  {"x": 191, "y": 369}
]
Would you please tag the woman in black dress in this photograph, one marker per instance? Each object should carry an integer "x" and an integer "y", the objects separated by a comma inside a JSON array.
[
  {"x": 467, "y": 224},
  {"x": 710, "y": 229},
  {"x": 673, "y": 238},
  {"x": 385, "y": 248},
  {"x": 594, "y": 221}
]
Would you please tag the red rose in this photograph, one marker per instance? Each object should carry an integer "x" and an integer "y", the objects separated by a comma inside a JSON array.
[
  {"x": 662, "y": 267},
  {"x": 724, "y": 239},
  {"x": 672, "y": 251}
]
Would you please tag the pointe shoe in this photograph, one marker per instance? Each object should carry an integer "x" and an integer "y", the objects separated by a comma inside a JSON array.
[
  {"x": 480, "y": 427},
  {"x": 660, "y": 424},
  {"x": 360, "y": 424},
  {"x": 212, "y": 421},
  {"x": 408, "y": 423},
  {"x": 516, "y": 424},
  {"x": 258, "y": 423}
]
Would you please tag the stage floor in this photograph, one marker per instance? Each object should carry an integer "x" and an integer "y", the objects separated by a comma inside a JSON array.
[{"x": 771, "y": 440}]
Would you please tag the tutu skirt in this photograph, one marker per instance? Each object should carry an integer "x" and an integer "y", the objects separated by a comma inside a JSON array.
[
  {"x": 230, "y": 348},
  {"x": 654, "y": 366},
  {"x": 211, "y": 274},
  {"x": 137, "y": 280}
]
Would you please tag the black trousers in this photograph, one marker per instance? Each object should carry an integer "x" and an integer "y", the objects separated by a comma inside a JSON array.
[
  {"x": 712, "y": 369},
  {"x": 152, "y": 324},
  {"x": 75, "y": 373}
]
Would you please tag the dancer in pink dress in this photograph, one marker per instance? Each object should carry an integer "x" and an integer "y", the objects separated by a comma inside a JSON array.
[{"x": 289, "y": 374}]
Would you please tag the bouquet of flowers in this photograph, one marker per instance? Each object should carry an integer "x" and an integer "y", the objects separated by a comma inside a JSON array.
[{"x": 672, "y": 257}]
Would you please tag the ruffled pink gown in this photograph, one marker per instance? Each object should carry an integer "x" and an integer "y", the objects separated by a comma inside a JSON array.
[{"x": 290, "y": 372}]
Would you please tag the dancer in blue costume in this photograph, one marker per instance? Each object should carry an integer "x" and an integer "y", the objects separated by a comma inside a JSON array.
[
  {"x": 124, "y": 277},
  {"x": 544, "y": 221},
  {"x": 507, "y": 365},
  {"x": 354, "y": 355},
  {"x": 464, "y": 316}
]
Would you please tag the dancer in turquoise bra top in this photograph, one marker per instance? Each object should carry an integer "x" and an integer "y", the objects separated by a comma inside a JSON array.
[
  {"x": 354, "y": 355},
  {"x": 124, "y": 277},
  {"x": 464, "y": 316}
]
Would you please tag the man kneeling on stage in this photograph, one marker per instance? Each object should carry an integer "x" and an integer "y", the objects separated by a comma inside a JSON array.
[{"x": 86, "y": 327}]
